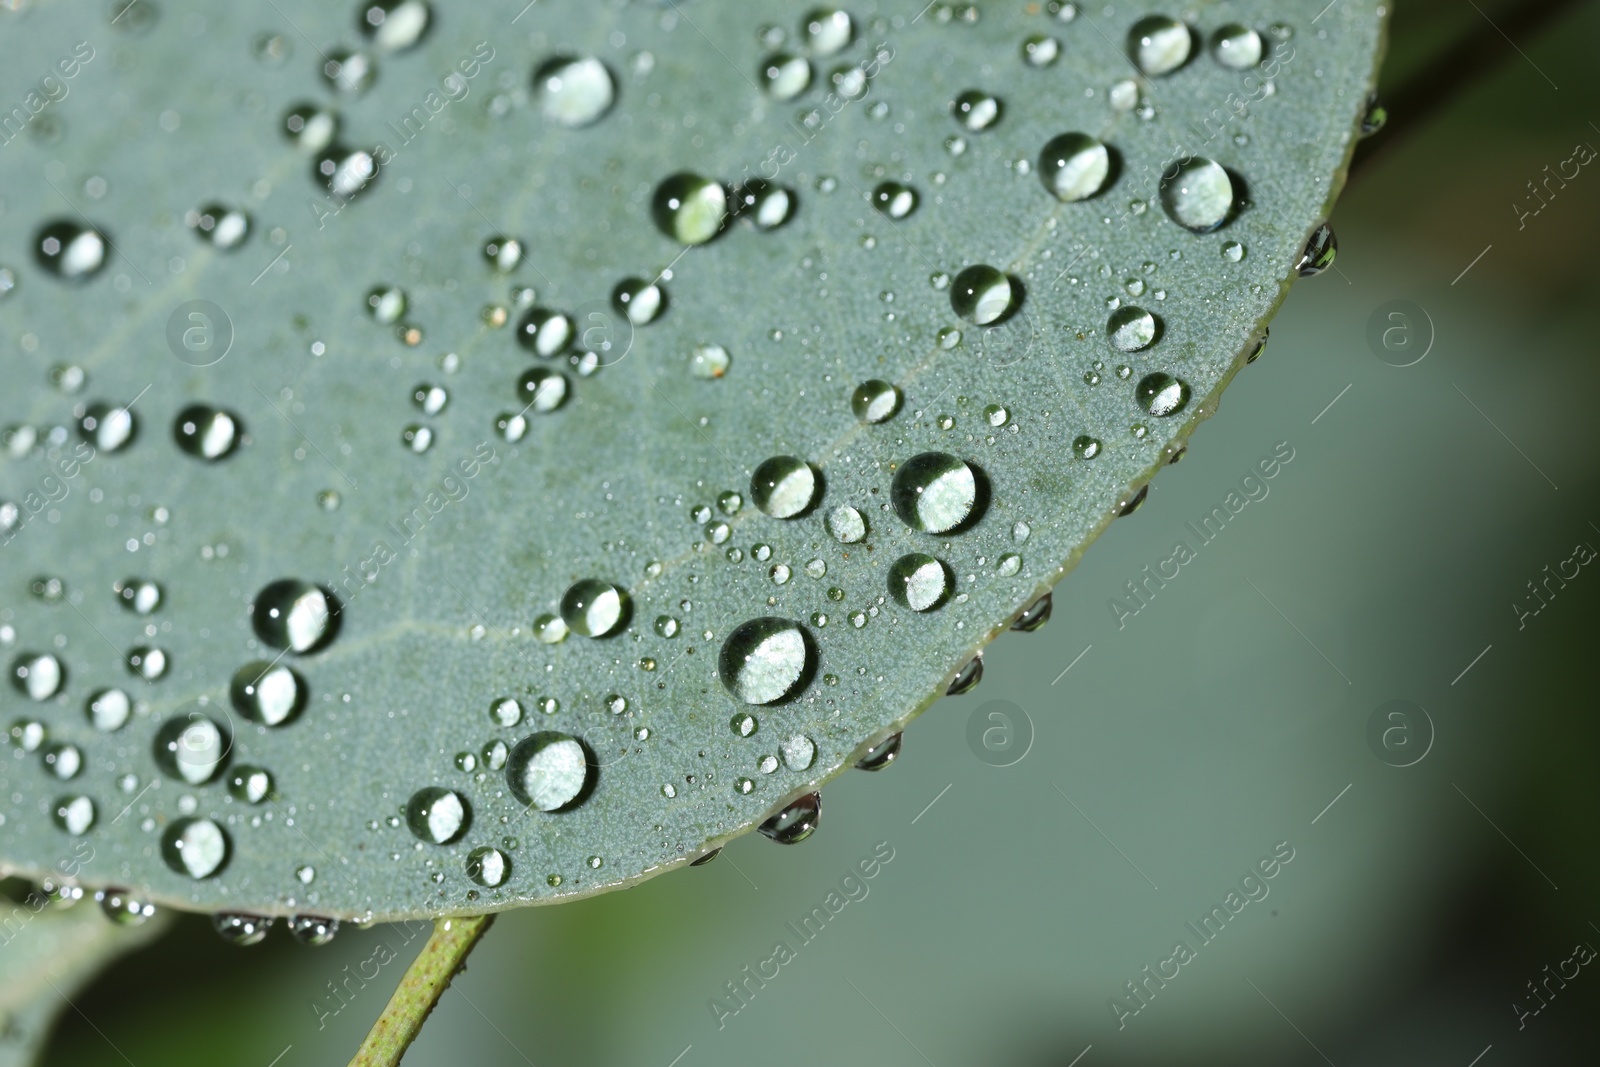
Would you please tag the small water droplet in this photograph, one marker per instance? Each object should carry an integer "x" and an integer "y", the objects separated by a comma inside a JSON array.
[
  {"x": 1321, "y": 249},
  {"x": 1034, "y": 615},
  {"x": 1236, "y": 47},
  {"x": 594, "y": 608},
  {"x": 488, "y": 866},
  {"x": 295, "y": 616},
  {"x": 846, "y": 524},
  {"x": 437, "y": 815},
  {"x": 1161, "y": 394},
  {"x": 937, "y": 493},
  {"x": 894, "y": 200},
  {"x": 549, "y": 771},
  {"x": 976, "y": 110},
  {"x": 206, "y": 432},
  {"x": 196, "y": 847},
  {"x": 689, "y": 209},
  {"x": 919, "y": 581},
  {"x": 574, "y": 91},
  {"x": 1159, "y": 44},
  {"x": 1131, "y": 329},
  {"x": 983, "y": 295},
  {"x": 785, "y": 487},
  {"x": 1074, "y": 166},
  {"x": 1199, "y": 196},
  {"x": 881, "y": 754}
]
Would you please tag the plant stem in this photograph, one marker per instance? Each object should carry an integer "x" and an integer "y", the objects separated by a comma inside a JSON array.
[{"x": 430, "y": 974}]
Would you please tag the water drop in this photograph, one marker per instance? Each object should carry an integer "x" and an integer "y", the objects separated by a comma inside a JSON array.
[
  {"x": 207, "y": 433},
  {"x": 438, "y": 815},
  {"x": 345, "y": 172},
  {"x": 224, "y": 227},
  {"x": 1040, "y": 50},
  {"x": 919, "y": 581},
  {"x": 545, "y": 332},
  {"x": 765, "y": 660},
  {"x": 295, "y": 616},
  {"x": 268, "y": 693},
  {"x": 70, "y": 250},
  {"x": 796, "y": 822},
  {"x": 937, "y": 493},
  {"x": 1321, "y": 248},
  {"x": 1159, "y": 44},
  {"x": 785, "y": 487},
  {"x": 767, "y": 205},
  {"x": 881, "y": 754},
  {"x": 192, "y": 748},
  {"x": 488, "y": 866},
  {"x": 826, "y": 31},
  {"x": 503, "y": 253},
  {"x": 386, "y": 304},
  {"x": 1375, "y": 116},
  {"x": 875, "y": 401},
  {"x": 799, "y": 752},
  {"x": 38, "y": 675},
  {"x": 348, "y": 70},
  {"x": 1236, "y": 47},
  {"x": 640, "y": 301},
  {"x": 983, "y": 295},
  {"x": 1074, "y": 166},
  {"x": 75, "y": 814},
  {"x": 108, "y": 710},
  {"x": 846, "y": 524},
  {"x": 311, "y": 126},
  {"x": 996, "y": 415},
  {"x": 107, "y": 427},
  {"x": 550, "y": 629},
  {"x": 511, "y": 426},
  {"x": 506, "y": 711},
  {"x": 313, "y": 930},
  {"x": 967, "y": 678},
  {"x": 894, "y": 200},
  {"x": 976, "y": 110},
  {"x": 666, "y": 626},
  {"x": 1199, "y": 195},
  {"x": 541, "y": 390},
  {"x": 1161, "y": 394},
  {"x": 743, "y": 724},
  {"x": 241, "y": 928},
  {"x": 593, "y": 608},
  {"x": 549, "y": 771},
  {"x": 196, "y": 847},
  {"x": 574, "y": 91},
  {"x": 689, "y": 209},
  {"x": 708, "y": 362},
  {"x": 1131, "y": 329},
  {"x": 784, "y": 76},
  {"x": 250, "y": 784},
  {"x": 1232, "y": 251}
]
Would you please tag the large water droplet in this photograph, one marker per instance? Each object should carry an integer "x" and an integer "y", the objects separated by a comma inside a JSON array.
[
  {"x": 349, "y": 70},
  {"x": 196, "y": 847},
  {"x": 765, "y": 660},
  {"x": 937, "y": 493},
  {"x": 881, "y": 754},
  {"x": 785, "y": 487},
  {"x": 641, "y": 301},
  {"x": 549, "y": 771},
  {"x": 967, "y": 678},
  {"x": 1131, "y": 329},
  {"x": 1236, "y": 47},
  {"x": 894, "y": 200},
  {"x": 846, "y": 524},
  {"x": 345, "y": 172},
  {"x": 545, "y": 332},
  {"x": 976, "y": 110},
  {"x": 574, "y": 91},
  {"x": 241, "y": 928},
  {"x": 1161, "y": 394},
  {"x": 250, "y": 784},
  {"x": 224, "y": 227},
  {"x": 394, "y": 25},
  {"x": 311, "y": 126},
  {"x": 123, "y": 908},
  {"x": 75, "y": 814},
  {"x": 139, "y": 595},
  {"x": 1321, "y": 249},
  {"x": 108, "y": 710},
  {"x": 1199, "y": 195},
  {"x": 785, "y": 77},
  {"x": 1074, "y": 166},
  {"x": 207, "y": 433},
  {"x": 799, "y": 752},
  {"x": 796, "y": 822},
  {"x": 594, "y": 608},
  {"x": 488, "y": 866},
  {"x": 826, "y": 31},
  {"x": 70, "y": 250},
  {"x": 38, "y": 675},
  {"x": 875, "y": 401},
  {"x": 983, "y": 295},
  {"x": 192, "y": 748},
  {"x": 268, "y": 693},
  {"x": 438, "y": 815},
  {"x": 763, "y": 203},
  {"x": 542, "y": 391},
  {"x": 108, "y": 427},
  {"x": 1034, "y": 615},
  {"x": 919, "y": 581},
  {"x": 689, "y": 209},
  {"x": 295, "y": 616},
  {"x": 313, "y": 930},
  {"x": 1159, "y": 44}
]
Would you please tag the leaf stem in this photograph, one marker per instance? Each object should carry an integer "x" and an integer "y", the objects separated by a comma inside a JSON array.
[{"x": 430, "y": 974}]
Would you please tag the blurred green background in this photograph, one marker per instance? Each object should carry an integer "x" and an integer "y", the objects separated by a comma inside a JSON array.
[{"x": 1217, "y": 723}]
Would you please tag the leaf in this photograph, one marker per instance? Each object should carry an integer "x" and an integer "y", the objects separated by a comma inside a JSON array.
[
  {"x": 912, "y": 158},
  {"x": 49, "y": 953}
]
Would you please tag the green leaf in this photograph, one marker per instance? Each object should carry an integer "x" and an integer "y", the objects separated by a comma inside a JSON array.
[
  {"x": 49, "y": 953},
  {"x": 445, "y": 558}
]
